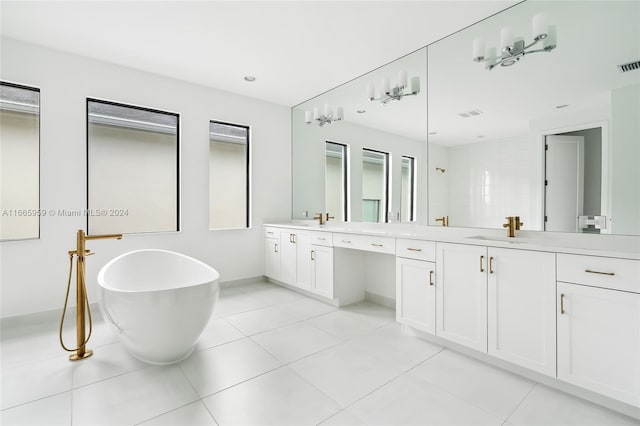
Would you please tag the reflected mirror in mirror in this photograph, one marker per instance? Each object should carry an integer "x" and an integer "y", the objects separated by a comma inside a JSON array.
[
  {"x": 336, "y": 180},
  {"x": 393, "y": 122},
  {"x": 552, "y": 138},
  {"x": 375, "y": 185},
  {"x": 19, "y": 161},
  {"x": 408, "y": 195}
]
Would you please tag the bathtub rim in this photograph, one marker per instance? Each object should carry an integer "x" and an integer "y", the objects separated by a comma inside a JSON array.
[{"x": 101, "y": 273}]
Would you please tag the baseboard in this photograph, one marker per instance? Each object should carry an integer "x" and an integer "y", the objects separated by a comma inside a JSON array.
[
  {"x": 380, "y": 300},
  {"x": 44, "y": 317},
  {"x": 243, "y": 281}
]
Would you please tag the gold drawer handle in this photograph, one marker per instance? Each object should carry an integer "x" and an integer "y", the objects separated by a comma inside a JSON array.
[
  {"x": 269, "y": 232},
  {"x": 346, "y": 241},
  {"x": 413, "y": 249},
  {"x": 322, "y": 239},
  {"x": 376, "y": 245},
  {"x": 598, "y": 272},
  {"x": 562, "y": 311},
  {"x": 430, "y": 277}
]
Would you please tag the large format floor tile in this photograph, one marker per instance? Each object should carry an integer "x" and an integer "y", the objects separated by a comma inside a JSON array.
[
  {"x": 345, "y": 373},
  {"x": 262, "y": 319},
  {"x": 133, "y": 397},
  {"x": 107, "y": 361},
  {"x": 51, "y": 411},
  {"x": 295, "y": 341},
  {"x": 194, "y": 414},
  {"x": 280, "y": 397},
  {"x": 408, "y": 401},
  {"x": 548, "y": 407},
  {"x": 342, "y": 324},
  {"x": 218, "y": 332},
  {"x": 487, "y": 387},
  {"x": 36, "y": 380},
  {"x": 218, "y": 368}
]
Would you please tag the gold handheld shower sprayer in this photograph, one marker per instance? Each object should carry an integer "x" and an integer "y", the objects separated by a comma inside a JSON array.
[{"x": 82, "y": 302}]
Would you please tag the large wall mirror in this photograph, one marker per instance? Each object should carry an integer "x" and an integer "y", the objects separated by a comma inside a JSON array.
[
  {"x": 360, "y": 159},
  {"x": 553, "y": 138}
]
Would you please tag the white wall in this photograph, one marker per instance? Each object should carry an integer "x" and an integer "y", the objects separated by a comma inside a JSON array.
[{"x": 34, "y": 272}]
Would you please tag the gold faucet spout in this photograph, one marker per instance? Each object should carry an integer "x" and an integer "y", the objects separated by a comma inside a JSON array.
[{"x": 103, "y": 237}]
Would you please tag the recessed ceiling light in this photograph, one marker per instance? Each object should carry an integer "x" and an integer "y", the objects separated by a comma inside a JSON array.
[
  {"x": 361, "y": 111},
  {"x": 433, "y": 133},
  {"x": 562, "y": 106},
  {"x": 249, "y": 78}
]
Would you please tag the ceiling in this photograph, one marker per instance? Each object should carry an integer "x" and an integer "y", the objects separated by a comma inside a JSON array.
[{"x": 295, "y": 49}]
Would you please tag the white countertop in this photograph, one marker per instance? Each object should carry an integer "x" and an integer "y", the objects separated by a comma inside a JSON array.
[{"x": 619, "y": 246}]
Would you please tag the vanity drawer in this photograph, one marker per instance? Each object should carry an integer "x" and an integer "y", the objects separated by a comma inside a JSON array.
[
  {"x": 607, "y": 272},
  {"x": 416, "y": 249},
  {"x": 322, "y": 238},
  {"x": 365, "y": 242},
  {"x": 271, "y": 232}
]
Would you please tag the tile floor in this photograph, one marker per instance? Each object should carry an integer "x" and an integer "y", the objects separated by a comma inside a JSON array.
[{"x": 272, "y": 356}]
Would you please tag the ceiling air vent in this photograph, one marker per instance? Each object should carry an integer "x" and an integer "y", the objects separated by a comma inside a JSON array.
[
  {"x": 472, "y": 113},
  {"x": 629, "y": 66}
]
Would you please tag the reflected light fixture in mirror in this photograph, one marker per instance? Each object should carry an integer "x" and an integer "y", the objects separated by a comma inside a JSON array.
[
  {"x": 327, "y": 117},
  {"x": 396, "y": 93},
  {"x": 512, "y": 48}
]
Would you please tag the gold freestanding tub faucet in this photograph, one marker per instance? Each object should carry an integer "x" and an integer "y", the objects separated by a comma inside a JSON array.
[{"x": 82, "y": 303}]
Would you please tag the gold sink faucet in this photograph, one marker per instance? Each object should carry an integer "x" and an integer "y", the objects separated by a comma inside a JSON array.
[
  {"x": 444, "y": 220},
  {"x": 320, "y": 218},
  {"x": 513, "y": 224}
]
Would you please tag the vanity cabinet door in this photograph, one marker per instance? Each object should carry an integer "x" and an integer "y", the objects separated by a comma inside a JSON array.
[
  {"x": 461, "y": 296},
  {"x": 416, "y": 294},
  {"x": 322, "y": 280},
  {"x": 521, "y": 308},
  {"x": 294, "y": 255},
  {"x": 599, "y": 340},
  {"x": 272, "y": 258},
  {"x": 304, "y": 264},
  {"x": 287, "y": 257}
]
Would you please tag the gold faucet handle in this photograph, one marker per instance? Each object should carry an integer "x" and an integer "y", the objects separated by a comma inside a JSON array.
[{"x": 328, "y": 217}]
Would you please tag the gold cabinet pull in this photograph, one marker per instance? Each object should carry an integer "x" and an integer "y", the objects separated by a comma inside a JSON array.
[
  {"x": 346, "y": 241},
  {"x": 430, "y": 277},
  {"x": 481, "y": 263},
  {"x": 376, "y": 245},
  {"x": 313, "y": 255},
  {"x": 275, "y": 248},
  {"x": 413, "y": 249},
  {"x": 322, "y": 239},
  {"x": 562, "y": 311},
  {"x": 598, "y": 272},
  {"x": 270, "y": 232},
  {"x": 491, "y": 265}
]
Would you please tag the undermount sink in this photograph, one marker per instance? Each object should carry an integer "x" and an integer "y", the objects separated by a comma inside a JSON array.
[{"x": 510, "y": 240}]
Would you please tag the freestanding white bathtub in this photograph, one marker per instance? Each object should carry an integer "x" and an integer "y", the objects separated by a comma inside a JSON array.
[{"x": 158, "y": 302}]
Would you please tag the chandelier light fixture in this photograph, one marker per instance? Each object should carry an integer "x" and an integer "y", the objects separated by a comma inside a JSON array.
[
  {"x": 395, "y": 93},
  {"x": 327, "y": 117},
  {"x": 513, "y": 48}
]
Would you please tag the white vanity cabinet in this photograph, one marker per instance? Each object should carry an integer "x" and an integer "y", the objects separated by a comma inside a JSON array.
[
  {"x": 461, "y": 294},
  {"x": 598, "y": 312},
  {"x": 322, "y": 271},
  {"x": 295, "y": 258},
  {"x": 272, "y": 253},
  {"x": 521, "y": 315},
  {"x": 415, "y": 284}
]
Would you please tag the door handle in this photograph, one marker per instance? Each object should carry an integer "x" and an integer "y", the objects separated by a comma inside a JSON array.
[
  {"x": 562, "y": 311},
  {"x": 481, "y": 263},
  {"x": 491, "y": 265},
  {"x": 313, "y": 255},
  {"x": 598, "y": 272},
  {"x": 376, "y": 245},
  {"x": 275, "y": 248},
  {"x": 430, "y": 277},
  {"x": 413, "y": 249}
]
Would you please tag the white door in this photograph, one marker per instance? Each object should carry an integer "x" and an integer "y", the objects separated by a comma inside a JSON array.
[
  {"x": 304, "y": 264},
  {"x": 564, "y": 182},
  {"x": 272, "y": 258},
  {"x": 522, "y": 308},
  {"x": 416, "y": 294},
  {"x": 461, "y": 296},
  {"x": 322, "y": 270},
  {"x": 288, "y": 258},
  {"x": 599, "y": 340}
]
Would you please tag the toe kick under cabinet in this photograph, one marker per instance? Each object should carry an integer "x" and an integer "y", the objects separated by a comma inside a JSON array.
[{"x": 599, "y": 325}]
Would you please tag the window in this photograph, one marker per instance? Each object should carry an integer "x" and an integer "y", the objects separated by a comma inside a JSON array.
[
  {"x": 229, "y": 176},
  {"x": 336, "y": 198},
  {"x": 408, "y": 194},
  {"x": 132, "y": 169},
  {"x": 375, "y": 185},
  {"x": 19, "y": 162}
]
